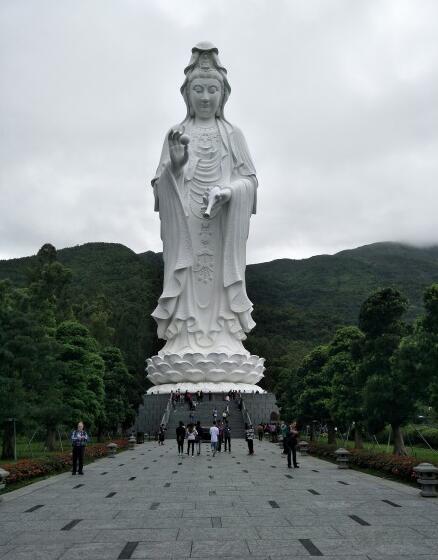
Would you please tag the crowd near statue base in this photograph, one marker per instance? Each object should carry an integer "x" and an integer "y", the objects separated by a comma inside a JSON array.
[{"x": 168, "y": 388}]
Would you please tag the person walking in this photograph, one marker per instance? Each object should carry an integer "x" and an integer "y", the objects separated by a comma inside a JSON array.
[
  {"x": 227, "y": 437},
  {"x": 249, "y": 436},
  {"x": 198, "y": 440},
  {"x": 79, "y": 439},
  {"x": 214, "y": 435},
  {"x": 180, "y": 435},
  {"x": 220, "y": 439},
  {"x": 191, "y": 438},
  {"x": 284, "y": 430},
  {"x": 291, "y": 446},
  {"x": 161, "y": 434},
  {"x": 260, "y": 430}
]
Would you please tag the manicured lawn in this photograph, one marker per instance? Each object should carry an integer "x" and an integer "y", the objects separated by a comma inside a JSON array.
[
  {"x": 423, "y": 454},
  {"x": 36, "y": 449}
]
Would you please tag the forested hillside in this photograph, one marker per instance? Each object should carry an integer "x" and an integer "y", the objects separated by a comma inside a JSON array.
[{"x": 298, "y": 303}]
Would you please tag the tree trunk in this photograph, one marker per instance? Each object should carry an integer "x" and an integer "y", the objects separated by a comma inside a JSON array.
[
  {"x": 331, "y": 433},
  {"x": 51, "y": 439},
  {"x": 399, "y": 444},
  {"x": 358, "y": 440},
  {"x": 8, "y": 441},
  {"x": 100, "y": 437}
]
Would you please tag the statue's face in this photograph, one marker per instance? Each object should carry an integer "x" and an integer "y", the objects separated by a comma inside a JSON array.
[{"x": 205, "y": 96}]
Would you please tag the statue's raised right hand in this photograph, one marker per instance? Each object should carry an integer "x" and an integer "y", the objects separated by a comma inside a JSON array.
[{"x": 178, "y": 150}]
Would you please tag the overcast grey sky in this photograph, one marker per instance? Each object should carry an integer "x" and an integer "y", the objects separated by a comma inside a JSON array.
[{"x": 337, "y": 100}]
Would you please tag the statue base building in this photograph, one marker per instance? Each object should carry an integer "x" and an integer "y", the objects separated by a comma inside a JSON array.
[{"x": 216, "y": 372}]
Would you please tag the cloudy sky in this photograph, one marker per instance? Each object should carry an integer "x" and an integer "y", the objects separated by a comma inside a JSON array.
[{"x": 337, "y": 100}]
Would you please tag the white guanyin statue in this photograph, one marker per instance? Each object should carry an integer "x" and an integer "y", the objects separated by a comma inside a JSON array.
[{"x": 205, "y": 191}]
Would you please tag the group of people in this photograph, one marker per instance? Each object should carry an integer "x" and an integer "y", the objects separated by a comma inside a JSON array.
[{"x": 220, "y": 435}]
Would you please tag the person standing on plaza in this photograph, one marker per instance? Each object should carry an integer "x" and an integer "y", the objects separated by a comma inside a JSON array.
[
  {"x": 291, "y": 446},
  {"x": 227, "y": 437},
  {"x": 161, "y": 434},
  {"x": 214, "y": 435},
  {"x": 284, "y": 430},
  {"x": 191, "y": 438},
  {"x": 249, "y": 436},
  {"x": 220, "y": 439},
  {"x": 79, "y": 439},
  {"x": 198, "y": 440},
  {"x": 180, "y": 435},
  {"x": 260, "y": 431}
]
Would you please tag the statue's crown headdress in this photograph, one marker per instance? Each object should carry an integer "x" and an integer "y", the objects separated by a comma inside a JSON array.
[{"x": 205, "y": 58}]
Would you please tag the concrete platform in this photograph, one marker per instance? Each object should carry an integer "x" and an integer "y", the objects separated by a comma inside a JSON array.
[{"x": 150, "y": 503}]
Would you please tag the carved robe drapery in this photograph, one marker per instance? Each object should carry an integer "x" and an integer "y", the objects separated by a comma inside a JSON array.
[{"x": 204, "y": 306}]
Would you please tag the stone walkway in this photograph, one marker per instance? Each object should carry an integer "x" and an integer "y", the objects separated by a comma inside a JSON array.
[{"x": 149, "y": 503}]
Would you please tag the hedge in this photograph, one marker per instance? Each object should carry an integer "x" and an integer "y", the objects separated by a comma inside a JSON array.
[
  {"x": 394, "y": 465},
  {"x": 26, "y": 469}
]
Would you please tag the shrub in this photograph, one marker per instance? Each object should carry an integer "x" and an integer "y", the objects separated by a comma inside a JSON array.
[{"x": 26, "y": 469}]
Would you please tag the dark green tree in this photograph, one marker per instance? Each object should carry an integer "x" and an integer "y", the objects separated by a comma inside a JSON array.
[
  {"x": 82, "y": 373},
  {"x": 117, "y": 381},
  {"x": 380, "y": 319},
  {"x": 314, "y": 394},
  {"x": 346, "y": 390}
]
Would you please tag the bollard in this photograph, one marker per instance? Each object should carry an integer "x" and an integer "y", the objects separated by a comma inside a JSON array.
[
  {"x": 111, "y": 449},
  {"x": 303, "y": 447},
  {"x": 342, "y": 458},
  {"x": 427, "y": 479},
  {"x": 132, "y": 441},
  {"x": 3, "y": 476}
]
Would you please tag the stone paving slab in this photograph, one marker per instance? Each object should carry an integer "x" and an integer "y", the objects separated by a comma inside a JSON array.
[{"x": 151, "y": 503}]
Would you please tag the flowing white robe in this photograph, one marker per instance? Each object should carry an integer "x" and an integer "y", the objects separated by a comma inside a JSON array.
[{"x": 204, "y": 306}]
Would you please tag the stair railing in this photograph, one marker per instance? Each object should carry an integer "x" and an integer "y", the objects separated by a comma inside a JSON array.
[
  {"x": 166, "y": 415},
  {"x": 245, "y": 414}
]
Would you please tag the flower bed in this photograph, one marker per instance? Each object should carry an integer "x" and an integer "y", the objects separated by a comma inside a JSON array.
[
  {"x": 394, "y": 465},
  {"x": 26, "y": 469}
]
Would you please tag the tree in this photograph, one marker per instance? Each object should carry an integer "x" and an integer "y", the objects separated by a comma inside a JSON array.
[
  {"x": 416, "y": 360},
  {"x": 380, "y": 319},
  {"x": 346, "y": 390},
  {"x": 313, "y": 398},
  {"x": 117, "y": 381},
  {"x": 82, "y": 373}
]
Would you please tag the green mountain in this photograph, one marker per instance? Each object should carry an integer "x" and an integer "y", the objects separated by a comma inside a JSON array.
[{"x": 298, "y": 303}]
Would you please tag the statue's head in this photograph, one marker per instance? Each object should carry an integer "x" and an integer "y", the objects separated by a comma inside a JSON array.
[{"x": 206, "y": 88}]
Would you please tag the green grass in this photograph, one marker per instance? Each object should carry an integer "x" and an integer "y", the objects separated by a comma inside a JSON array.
[
  {"x": 423, "y": 454},
  {"x": 36, "y": 449}
]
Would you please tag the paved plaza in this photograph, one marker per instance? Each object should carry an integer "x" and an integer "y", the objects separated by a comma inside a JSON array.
[{"x": 149, "y": 503}]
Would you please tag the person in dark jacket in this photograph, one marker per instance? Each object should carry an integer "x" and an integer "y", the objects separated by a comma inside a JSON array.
[
  {"x": 227, "y": 436},
  {"x": 198, "y": 440},
  {"x": 180, "y": 435},
  {"x": 249, "y": 436},
  {"x": 291, "y": 445},
  {"x": 79, "y": 439}
]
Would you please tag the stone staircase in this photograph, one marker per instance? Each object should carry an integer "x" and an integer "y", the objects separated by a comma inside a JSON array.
[{"x": 204, "y": 413}]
